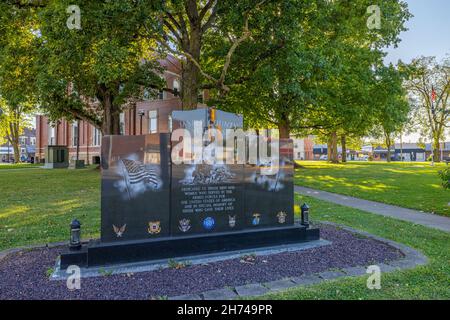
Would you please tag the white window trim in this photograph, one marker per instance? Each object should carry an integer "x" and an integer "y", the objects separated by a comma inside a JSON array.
[
  {"x": 152, "y": 115},
  {"x": 74, "y": 141}
]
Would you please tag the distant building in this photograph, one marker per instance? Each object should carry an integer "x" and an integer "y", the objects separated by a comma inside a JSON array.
[
  {"x": 409, "y": 152},
  {"x": 381, "y": 154},
  {"x": 320, "y": 150},
  {"x": 303, "y": 148},
  {"x": 27, "y": 148},
  {"x": 147, "y": 116},
  {"x": 444, "y": 153}
]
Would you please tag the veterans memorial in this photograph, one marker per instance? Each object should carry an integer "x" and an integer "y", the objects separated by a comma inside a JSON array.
[{"x": 156, "y": 207}]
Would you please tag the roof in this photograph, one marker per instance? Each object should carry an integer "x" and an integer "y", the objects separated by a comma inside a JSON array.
[{"x": 446, "y": 146}]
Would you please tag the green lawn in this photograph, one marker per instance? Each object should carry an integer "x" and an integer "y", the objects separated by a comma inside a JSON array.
[
  {"x": 410, "y": 185},
  {"x": 427, "y": 282},
  {"x": 36, "y": 207},
  {"x": 4, "y": 166}
]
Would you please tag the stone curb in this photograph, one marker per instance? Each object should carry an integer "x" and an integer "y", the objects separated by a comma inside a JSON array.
[
  {"x": 412, "y": 258},
  {"x": 5, "y": 253}
]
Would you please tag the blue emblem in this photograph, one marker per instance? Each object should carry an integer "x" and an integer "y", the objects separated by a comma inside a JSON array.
[
  {"x": 209, "y": 223},
  {"x": 256, "y": 219}
]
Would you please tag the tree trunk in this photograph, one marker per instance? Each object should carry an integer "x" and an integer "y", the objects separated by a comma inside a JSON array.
[
  {"x": 189, "y": 86},
  {"x": 190, "y": 79},
  {"x": 436, "y": 149},
  {"x": 284, "y": 127},
  {"x": 111, "y": 117},
  {"x": 14, "y": 139},
  {"x": 388, "y": 142},
  {"x": 332, "y": 148},
  {"x": 344, "y": 148}
]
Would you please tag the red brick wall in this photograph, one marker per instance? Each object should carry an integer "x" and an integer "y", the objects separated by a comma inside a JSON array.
[{"x": 131, "y": 120}]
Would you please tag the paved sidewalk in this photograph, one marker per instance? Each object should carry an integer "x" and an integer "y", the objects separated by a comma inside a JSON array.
[{"x": 425, "y": 219}]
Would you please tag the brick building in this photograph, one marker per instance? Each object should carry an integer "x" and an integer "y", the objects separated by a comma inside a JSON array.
[
  {"x": 27, "y": 143},
  {"x": 147, "y": 116},
  {"x": 303, "y": 148}
]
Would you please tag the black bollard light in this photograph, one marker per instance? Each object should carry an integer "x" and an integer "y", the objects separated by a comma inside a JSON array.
[
  {"x": 75, "y": 235},
  {"x": 305, "y": 215}
]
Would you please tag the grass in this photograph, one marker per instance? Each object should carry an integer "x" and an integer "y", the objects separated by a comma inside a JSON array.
[
  {"x": 6, "y": 166},
  {"x": 426, "y": 282},
  {"x": 37, "y": 205},
  {"x": 409, "y": 185}
]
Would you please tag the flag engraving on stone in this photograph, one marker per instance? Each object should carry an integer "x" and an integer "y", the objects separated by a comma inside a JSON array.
[{"x": 138, "y": 173}]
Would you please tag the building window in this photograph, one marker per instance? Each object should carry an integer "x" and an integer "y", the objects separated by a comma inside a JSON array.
[
  {"x": 32, "y": 141},
  {"x": 96, "y": 137},
  {"x": 176, "y": 87},
  {"x": 170, "y": 124},
  {"x": 122, "y": 123},
  {"x": 75, "y": 132},
  {"x": 147, "y": 95},
  {"x": 161, "y": 95},
  {"x": 22, "y": 140},
  {"x": 51, "y": 135},
  {"x": 153, "y": 121}
]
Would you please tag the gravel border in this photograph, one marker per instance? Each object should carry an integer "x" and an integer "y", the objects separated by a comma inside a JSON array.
[{"x": 412, "y": 259}]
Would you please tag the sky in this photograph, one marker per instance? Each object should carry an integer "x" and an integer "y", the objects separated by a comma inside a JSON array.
[{"x": 428, "y": 35}]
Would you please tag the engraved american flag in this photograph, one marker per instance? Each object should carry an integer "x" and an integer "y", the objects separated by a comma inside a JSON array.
[{"x": 138, "y": 173}]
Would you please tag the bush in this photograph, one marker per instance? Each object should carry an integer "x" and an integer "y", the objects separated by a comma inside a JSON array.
[{"x": 445, "y": 176}]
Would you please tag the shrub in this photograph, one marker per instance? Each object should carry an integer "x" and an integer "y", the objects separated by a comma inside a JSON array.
[{"x": 445, "y": 176}]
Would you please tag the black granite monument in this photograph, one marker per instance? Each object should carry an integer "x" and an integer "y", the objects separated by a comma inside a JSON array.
[{"x": 155, "y": 209}]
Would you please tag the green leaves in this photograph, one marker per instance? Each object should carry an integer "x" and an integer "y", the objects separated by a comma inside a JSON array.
[{"x": 90, "y": 73}]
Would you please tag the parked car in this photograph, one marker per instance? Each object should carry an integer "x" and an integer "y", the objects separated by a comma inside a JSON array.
[
  {"x": 323, "y": 157},
  {"x": 363, "y": 158}
]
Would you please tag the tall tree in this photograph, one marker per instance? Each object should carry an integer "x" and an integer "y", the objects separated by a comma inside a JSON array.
[
  {"x": 17, "y": 73},
  {"x": 392, "y": 108},
  {"x": 92, "y": 71},
  {"x": 184, "y": 29},
  {"x": 309, "y": 64},
  {"x": 429, "y": 89}
]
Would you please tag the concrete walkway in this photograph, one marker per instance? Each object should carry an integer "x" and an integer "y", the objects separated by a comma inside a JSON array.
[{"x": 425, "y": 219}]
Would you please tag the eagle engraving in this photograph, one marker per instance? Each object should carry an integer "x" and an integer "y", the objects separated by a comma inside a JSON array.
[{"x": 119, "y": 231}]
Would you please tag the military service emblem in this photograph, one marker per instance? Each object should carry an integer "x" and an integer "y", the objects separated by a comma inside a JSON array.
[
  {"x": 209, "y": 223},
  {"x": 119, "y": 231},
  {"x": 281, "y": 217},
  {"x": 154, "y": 227},
  {"x": 256, "y": 219},
  {"x": 184, "y": 225},
  {"x": 232, "y": 221}
]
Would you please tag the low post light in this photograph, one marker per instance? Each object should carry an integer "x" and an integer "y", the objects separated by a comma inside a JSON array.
[
  {"x": 75, "y": 235},
  {"x": 305, "y": 215}
]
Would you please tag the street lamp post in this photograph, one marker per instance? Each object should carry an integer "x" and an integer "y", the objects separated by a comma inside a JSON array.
[{"x": 141, "y": 115}]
